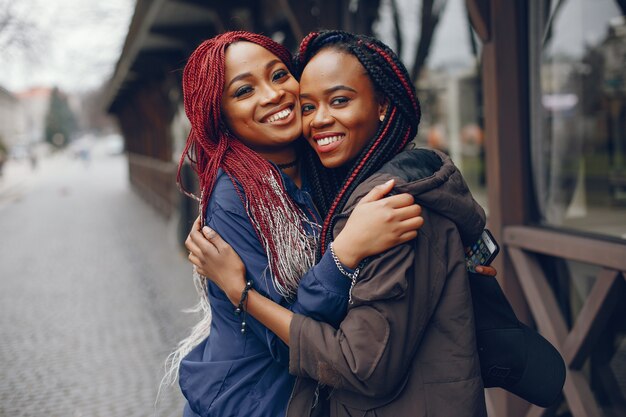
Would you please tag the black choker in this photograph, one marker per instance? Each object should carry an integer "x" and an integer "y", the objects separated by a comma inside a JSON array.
[{"x": 288, "y": 164}]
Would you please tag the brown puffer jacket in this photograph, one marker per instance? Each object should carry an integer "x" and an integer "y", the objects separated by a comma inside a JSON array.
[{"x": 407, "y": 346}]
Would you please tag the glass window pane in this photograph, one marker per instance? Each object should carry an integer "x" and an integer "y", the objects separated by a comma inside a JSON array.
[{"x": 579, "y": 114}]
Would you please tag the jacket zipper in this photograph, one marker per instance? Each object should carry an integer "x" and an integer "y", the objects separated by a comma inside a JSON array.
[
  {"x": 316, "y": 396},
  {"x": 293, "y": 391}
]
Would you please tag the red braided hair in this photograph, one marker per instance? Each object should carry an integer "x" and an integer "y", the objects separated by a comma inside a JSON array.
[{"x": 210, "y": 146}]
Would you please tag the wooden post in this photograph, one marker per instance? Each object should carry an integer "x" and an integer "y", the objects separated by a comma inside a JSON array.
[{"x": 502, "y": 26}]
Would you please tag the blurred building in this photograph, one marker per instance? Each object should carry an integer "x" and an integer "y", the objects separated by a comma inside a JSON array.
[
  {"x": 35, "y": 104},
  {"x": 11, "y": 119},
  {"x": 144, "y": 93},
  {"x": 528, "y": 97}
]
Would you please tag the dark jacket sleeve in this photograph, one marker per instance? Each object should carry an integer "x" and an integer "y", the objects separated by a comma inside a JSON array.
[
  {"x": 372, "y": 350},
  {"x": 322, "y": 293}
]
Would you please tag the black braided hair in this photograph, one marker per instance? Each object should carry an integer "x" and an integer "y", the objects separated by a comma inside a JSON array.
[{"x": 332, "y": 187}]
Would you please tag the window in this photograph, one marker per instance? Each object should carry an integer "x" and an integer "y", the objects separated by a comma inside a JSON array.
[
  {"x": 578, "y": 144},
  {"x": 578, "y": 159}
]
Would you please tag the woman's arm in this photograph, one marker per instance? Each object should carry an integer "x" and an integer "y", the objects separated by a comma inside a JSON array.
[
  {"x": 235, "y": 226},
  {"x": 323, "y": 291},
  {"x": 377, "y": 224},
  {"x": 374, "y": 226},
  {"x": 215, "y": 255}
]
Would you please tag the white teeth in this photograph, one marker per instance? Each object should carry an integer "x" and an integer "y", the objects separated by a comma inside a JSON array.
[
  {"x": 328, "y": 140},
  {"x": 279, "y": 116}
]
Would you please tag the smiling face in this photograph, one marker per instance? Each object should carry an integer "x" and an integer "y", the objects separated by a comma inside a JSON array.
[
  {"x": 340, "y": 108},
  {"x": 260, "y": 101}
]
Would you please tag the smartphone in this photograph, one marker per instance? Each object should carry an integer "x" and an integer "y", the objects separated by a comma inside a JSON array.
[{"x": 482, "y": 252}]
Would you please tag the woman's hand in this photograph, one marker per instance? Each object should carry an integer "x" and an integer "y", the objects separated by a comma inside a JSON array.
[
  {"x": 377, "y": 224},
  {"x": 216, "y": 260}
]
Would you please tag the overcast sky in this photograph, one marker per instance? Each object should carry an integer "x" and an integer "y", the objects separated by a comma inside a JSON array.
[
  {"x": 451, "y": 44},
  {"x": 77, "y": 43}
]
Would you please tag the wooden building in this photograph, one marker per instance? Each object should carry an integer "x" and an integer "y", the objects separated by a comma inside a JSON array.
[
  {"x": 550, "y": 129},
  {"x": 145, "y": 91}
]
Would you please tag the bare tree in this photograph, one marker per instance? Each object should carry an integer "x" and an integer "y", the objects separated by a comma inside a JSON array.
[
  {"x": 19, "y": 34},
  {"x": 551, "y": 16},
  {"x": 430, "y": 14},
  {"x": 432, "y": 10},
  {"x": 397, "y": 33}
]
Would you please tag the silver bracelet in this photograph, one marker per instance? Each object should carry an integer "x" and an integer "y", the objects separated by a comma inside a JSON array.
[
  {"x": 339, "y": 264},
  {"x": 352, "y": 276}
]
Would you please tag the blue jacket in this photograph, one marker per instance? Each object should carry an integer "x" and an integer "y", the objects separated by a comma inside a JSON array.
[{"x": 235, "y": 374}]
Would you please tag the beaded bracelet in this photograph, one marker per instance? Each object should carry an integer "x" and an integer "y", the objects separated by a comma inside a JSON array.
[
  {"x": 240, "y": 310},
  {"x": 352, "y": 276}
]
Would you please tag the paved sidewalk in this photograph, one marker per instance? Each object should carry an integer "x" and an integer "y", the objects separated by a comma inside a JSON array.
[
  {"x": 92, "y": 286},
  {"x": 16, "y": 179}
]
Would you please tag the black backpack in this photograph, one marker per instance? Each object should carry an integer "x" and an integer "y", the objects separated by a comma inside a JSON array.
[{"x": 512, "y": 355}]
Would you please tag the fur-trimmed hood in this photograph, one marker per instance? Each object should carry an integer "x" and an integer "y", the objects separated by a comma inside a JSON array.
[{"x": 436, "y": 183}]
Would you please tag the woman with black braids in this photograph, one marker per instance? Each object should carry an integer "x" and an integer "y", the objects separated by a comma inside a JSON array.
[{"x": 407, "y": 344}]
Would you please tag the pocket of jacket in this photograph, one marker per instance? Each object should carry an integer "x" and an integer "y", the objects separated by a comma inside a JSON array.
[
  {"x": 271, "y": 374},
  {"x": 361, "y": 403},
  {"x": 202, "y": 382},
  {"x": 464, "y": 398}
]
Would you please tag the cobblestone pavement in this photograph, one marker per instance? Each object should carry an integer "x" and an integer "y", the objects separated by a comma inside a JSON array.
[{"x": 92, "y": 286}]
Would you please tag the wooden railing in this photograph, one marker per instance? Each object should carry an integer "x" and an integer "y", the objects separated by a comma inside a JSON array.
[
  {"x": 155, "y": 181},
  {"x": 523, "y": 244}
]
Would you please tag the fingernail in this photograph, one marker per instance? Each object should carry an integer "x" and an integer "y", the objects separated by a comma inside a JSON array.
[
  {"x": 389, "y": 182},
  {"x": 207, "y": 229},
  {"x": 479, "y": 269}
]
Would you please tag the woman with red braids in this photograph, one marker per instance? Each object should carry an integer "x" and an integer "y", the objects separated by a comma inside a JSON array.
[
  {"x": 243, "y": 105},
  {"x": 407, "y": 346}
]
